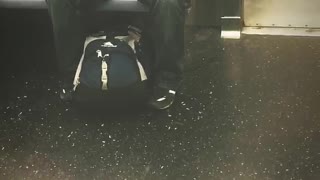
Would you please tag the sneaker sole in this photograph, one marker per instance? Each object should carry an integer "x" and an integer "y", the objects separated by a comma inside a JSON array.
[{"x": 161, "y": 108}]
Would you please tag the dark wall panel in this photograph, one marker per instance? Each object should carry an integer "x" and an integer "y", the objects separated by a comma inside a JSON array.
[
  {"x": 208, "y": 12},
  {"x": 205, "y": 13}
]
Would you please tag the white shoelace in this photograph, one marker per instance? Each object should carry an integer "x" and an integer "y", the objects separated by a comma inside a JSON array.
[{"x": 164, "y": 97}]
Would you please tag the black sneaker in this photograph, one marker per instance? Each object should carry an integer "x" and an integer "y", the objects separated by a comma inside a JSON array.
[
  {"x": 162, "y": 98},
  {"x": 66, "y": 92}
]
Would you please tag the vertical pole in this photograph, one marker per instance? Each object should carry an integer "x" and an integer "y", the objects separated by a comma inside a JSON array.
[{"x": 231, "y": 19}]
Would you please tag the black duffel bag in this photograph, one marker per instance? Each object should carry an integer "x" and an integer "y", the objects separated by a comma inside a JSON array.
[{"x": 112, "y": 72}]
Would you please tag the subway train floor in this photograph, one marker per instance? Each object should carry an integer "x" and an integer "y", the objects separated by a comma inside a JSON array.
[{"x": 248, "y": 109}]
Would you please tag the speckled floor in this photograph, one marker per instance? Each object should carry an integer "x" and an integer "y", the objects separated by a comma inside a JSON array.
[{"x": 248, "y": 109}]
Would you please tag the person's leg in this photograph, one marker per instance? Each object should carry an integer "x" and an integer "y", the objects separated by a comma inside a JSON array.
[
  {"x": 168, "y": 37},
  {"x": 69, "y": 36},
  {"x": 168, "y": 18}
]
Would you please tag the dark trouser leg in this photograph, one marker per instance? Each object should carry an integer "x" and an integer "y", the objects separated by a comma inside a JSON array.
[
  {"x": 68, "y": 34},
  {"x": 167, "y": 33}
]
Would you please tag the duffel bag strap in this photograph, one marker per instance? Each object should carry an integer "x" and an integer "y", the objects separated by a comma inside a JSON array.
[
  {"x": 104, "y": 69},
  {"x": 104, "y": 77}
]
